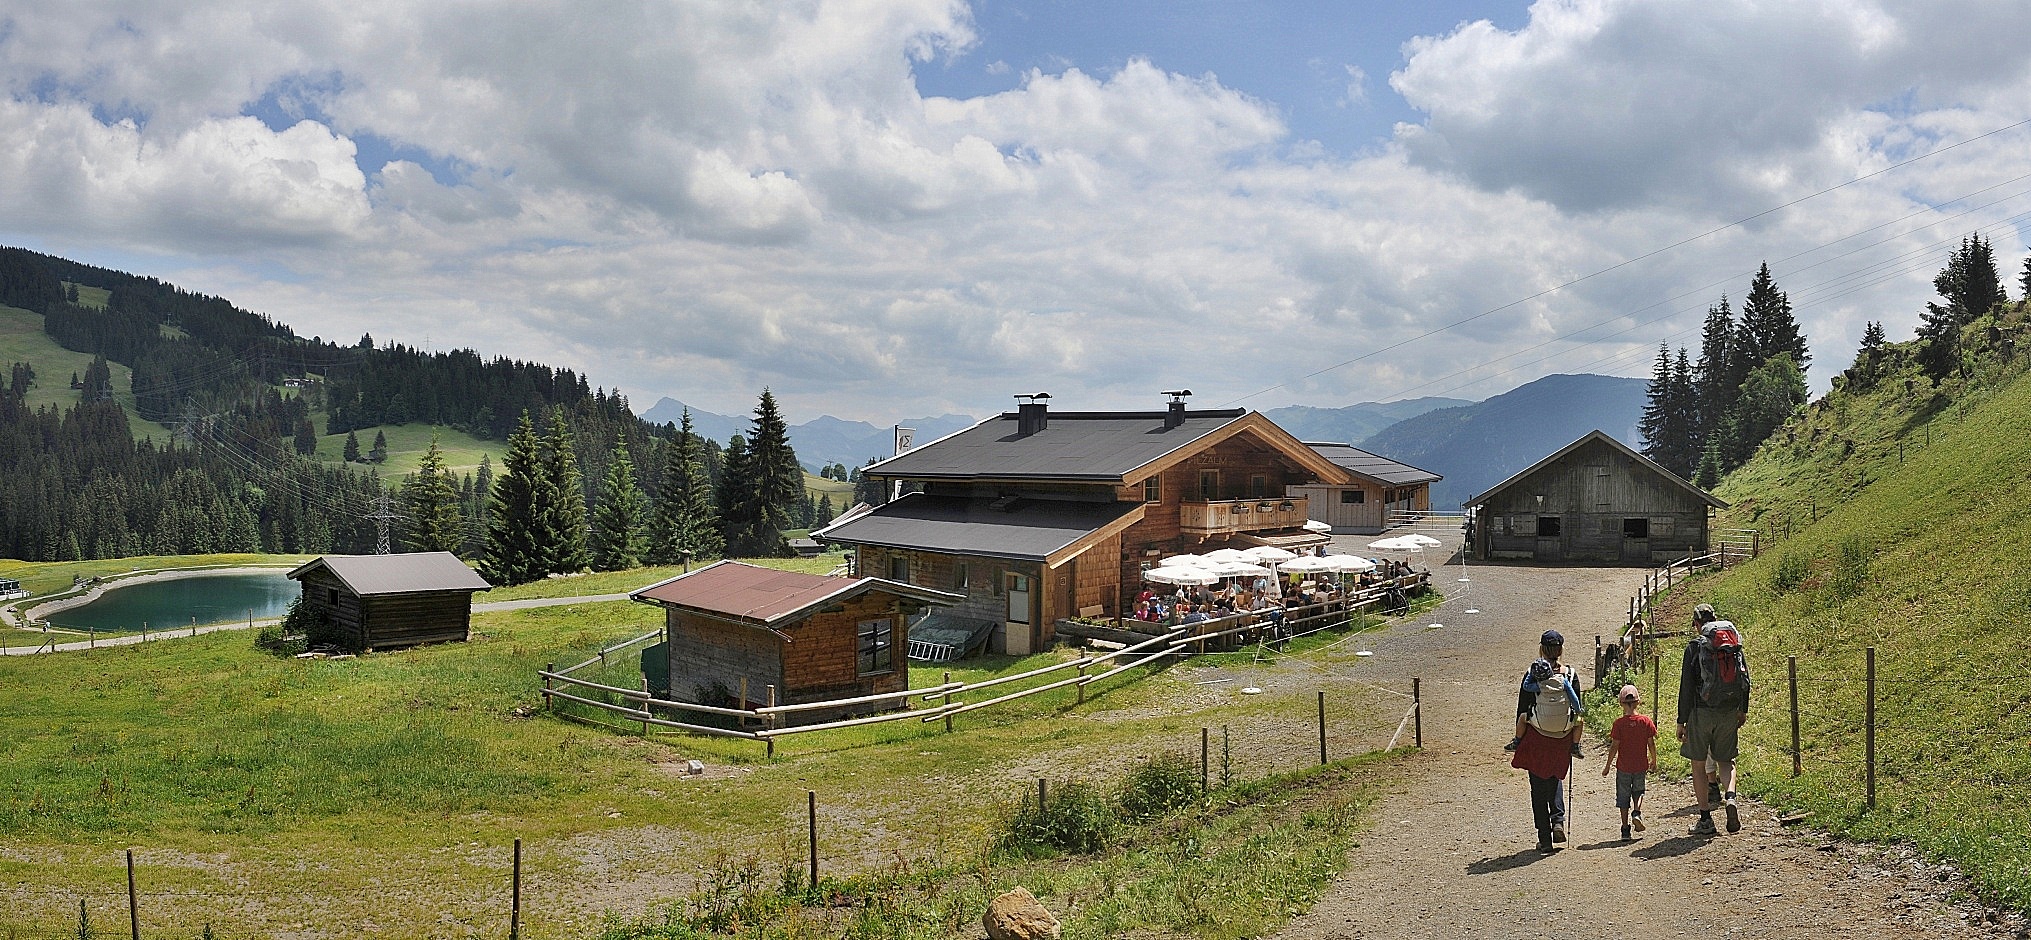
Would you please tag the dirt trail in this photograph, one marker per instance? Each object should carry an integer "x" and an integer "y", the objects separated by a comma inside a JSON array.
[{"x": 1452, "y": 851}]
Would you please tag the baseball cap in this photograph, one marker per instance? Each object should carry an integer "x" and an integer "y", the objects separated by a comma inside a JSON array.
[
  {"x": 1703, "y": 612},
  {"x": 1629, "y": 694},
  {"x": 1552, "y": 638}
]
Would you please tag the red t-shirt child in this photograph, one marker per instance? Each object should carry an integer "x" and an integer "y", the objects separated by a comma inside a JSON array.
[{"x": 1632, "y": 735}]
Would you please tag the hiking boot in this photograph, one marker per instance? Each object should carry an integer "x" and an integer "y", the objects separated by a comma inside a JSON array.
[
  {"x": 1636, "y": 821},
  {"x": 1544, "y": 844},
  {"x": 1513, "y": 744},
  {"x": 1734, "y": 818},
  {"x": 1625, "y": 833},
  {"x": 1705, "y": 827},
  {"x": 1577, "y": 753},
  {"x": 1558, "y": 833}
]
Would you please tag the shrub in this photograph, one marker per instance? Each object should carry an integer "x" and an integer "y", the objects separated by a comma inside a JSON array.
[
  {"x": 1076, "y": 818},
  {"x": 1792, "y": 569},
  {"x": 1157, "y": 786},
  {"x": 1851, "y": 567}
]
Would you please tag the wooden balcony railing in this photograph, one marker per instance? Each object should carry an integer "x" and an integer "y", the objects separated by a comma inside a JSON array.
[{"x": 1229, "y": 516}]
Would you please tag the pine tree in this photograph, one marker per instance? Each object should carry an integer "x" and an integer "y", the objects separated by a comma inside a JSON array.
[
  {"x": 825, "y": 511},
  {"x": 617, "y": 523},
  {"x": 1716, "y": 378},
  {"x": 1657, "y": 406},
  {"x": 1768, "y": 328},
  {"x": 435, "y": 522},
  {"x": 1868, "y": 357},
  {"x": 517, "y": 533},
  {"x": 778, "y": 481},
  {"x": 379, "y": 453},
  {"x": 684, "y": 526},
  {"x": 1970, "y": 286},
  {"x": 2024, "y": 280},
  {"x": 741, "y": 517},
  {"x": 352, "y": 450},
  {"x": 1708, "y": 475},
  {"x": 306, "y": 437},
  {"x": 565, "y": 516}
]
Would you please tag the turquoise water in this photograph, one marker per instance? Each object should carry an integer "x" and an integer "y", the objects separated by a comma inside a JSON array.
[{"x": 166, "y": 605}]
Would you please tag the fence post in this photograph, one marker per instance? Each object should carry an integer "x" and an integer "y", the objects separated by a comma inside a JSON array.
[
  {"x": 1869, "y": 730},
  {"x": 1040, "y": 795},
  {"x": 744, "y": 696},
  {"x": 1597, "y": 660},
  {"x": 811, "y": 801},
  {"x": 1322, "y": 727},
  {"x": 769, "y": 724},
  {"x": 193, "y": 626},
  {"x": 515, "y": 901},
  {"x": 550, "y": 668},
  {"x": 1417, "y": 711},
  {"x": 144, "y": 631},
  {"x": 1205, "y": 748},
  {"x": 1656, "y": 666},
  {"x": 1791, "y": 673},
  {"x": 1082, "y": 677},
  {"x": 947, "y": 703},
  {"x": 133, "y": 905}
]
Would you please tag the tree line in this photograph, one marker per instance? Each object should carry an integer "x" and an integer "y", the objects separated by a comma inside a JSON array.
[{"x": 1704, "y": 418}]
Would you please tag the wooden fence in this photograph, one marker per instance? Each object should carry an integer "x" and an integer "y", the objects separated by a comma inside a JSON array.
[{"x": 768, "y": 722}]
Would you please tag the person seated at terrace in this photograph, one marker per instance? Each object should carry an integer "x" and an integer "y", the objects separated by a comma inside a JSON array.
[
  {"x": 1192, "y": 614},
  {"x": 1224, "y": 603}
]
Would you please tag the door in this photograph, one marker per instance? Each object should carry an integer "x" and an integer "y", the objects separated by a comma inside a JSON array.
[{"x": 1016, "y": 630}]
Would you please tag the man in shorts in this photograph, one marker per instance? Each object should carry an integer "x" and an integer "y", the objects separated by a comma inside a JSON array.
[{"x": 1705, "y": 732}]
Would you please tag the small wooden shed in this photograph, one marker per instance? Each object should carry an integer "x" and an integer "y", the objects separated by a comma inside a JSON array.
[
  {"x": 733, "y": 630},
  {"x": 378, "y": 602},
  {"x": 1596, "y": 500}
]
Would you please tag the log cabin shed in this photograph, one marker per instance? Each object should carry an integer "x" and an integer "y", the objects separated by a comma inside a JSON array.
[
  {"x": 733, "y": 630},
  {"x": 379, "y": 602},
  {"x": 1596, "y": 500}
]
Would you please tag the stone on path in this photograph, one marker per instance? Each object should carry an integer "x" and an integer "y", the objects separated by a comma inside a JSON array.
[{"x": 1018, "y": 915}]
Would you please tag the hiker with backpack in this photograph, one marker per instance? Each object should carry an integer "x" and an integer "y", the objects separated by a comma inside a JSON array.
[
  {"x": 1713, "y": 703},
  {"x": 1548, "y": 728}
]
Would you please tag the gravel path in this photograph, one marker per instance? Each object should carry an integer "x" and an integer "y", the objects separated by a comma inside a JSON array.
[{"x": 1452, "y": 851}]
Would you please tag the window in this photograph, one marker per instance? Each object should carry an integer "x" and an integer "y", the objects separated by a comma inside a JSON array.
[
  {"x": 959, "y": 575},
  {"x": 877, "y": 646},
  {"x": 1258, "y": 485},
  {"x": 331, "y": 596},
  {"x": 1353, "y": 496},
  {"x": 1209, "y": 485},
  {"x": 1635, "y": 528},
  {"x": 1547, "y": 526},
  {"x": 899, "y": 569},
  {"x": 1153, "y": 489}
]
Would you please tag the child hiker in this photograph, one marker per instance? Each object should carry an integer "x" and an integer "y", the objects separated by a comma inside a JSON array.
[
  {"x": 1547, "y": 737},
  {"x": 1632, "y": 753}
]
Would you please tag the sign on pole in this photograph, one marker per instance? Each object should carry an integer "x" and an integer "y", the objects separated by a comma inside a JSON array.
[{"x": 905, "y": 439}]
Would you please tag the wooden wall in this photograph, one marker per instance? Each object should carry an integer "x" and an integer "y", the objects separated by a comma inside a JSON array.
[
  {"x": 386, "y": 621},
  {"x": 709, "y": 657},
  {"x": 1593, "y": 493},
  {"x": 332, "y": 603},
  {"x": 706, "y": 653}
]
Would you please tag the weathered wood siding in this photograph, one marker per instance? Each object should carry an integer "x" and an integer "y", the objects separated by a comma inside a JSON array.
[
  {"x": 822, "y": 661},
  {"x": 398, "y": 620},
  {"x": 332, "y": 603},
  {"x": 710, "y": 657},
  {"x": 1597, "y": 499}
]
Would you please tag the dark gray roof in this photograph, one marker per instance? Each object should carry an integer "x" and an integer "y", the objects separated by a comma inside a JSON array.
[
  {"x": 410, "y": 573},
  {"x": 1078, "y": 445},
  {"x": 1381, "y": 469},
  {"x": 1025, "y": 529},
  {"x": 1608, "y": 439}
]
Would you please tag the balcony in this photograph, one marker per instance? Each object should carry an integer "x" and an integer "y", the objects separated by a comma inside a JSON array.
[{"x": 1231, "y": 516}]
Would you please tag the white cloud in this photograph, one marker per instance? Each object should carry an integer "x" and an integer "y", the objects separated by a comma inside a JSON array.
[{"x": 699, "y": 199}]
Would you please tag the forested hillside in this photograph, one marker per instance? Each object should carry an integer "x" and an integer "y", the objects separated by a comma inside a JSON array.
[{"x": 242, "y": 398}]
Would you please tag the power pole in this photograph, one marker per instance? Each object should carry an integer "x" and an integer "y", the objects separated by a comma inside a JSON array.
[{"x": 383, "y": 514}]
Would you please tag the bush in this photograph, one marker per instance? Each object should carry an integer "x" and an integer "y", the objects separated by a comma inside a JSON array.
[
  {"x": 1157, "y": 786},
  {"x": 1076, "y": 818},
  {"x": 1851, "y": 567},
  {"x": 294, "y": 633},
  {"x": 1792, "y": 569}
]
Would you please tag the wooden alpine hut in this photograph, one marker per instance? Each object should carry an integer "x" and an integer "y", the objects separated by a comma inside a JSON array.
[
  {"x": 378, "y": 602},
  {"x": 1594, "y": 501},
  {"x": 733, "y": 631}
]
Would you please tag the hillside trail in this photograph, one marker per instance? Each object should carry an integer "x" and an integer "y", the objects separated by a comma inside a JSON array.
[{"x": 1452, "y": 852}]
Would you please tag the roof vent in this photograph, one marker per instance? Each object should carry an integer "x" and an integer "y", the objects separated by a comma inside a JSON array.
[
  {"x": 1032, "y": 415},
  {"x": 1174, "y": 416},
  {"x": 1004, "y": 503}
]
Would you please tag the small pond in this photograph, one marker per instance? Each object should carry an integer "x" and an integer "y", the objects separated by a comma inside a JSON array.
[{"x": 171, "y": 603}]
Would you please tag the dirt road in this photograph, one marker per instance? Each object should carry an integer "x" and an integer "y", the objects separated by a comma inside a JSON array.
[{"x": 1452, "y": 852}]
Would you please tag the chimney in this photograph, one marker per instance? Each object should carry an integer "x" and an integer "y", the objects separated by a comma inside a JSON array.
[
  {"x": 1032, "y": 415},
  {"x": 1174, "y": 416}
]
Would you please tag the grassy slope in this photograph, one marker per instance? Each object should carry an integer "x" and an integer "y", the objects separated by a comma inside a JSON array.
[
  {"x": 207, "y": 749},
  {"x": 1942, "y": 542},
  {"x": 22, "y": 340}
]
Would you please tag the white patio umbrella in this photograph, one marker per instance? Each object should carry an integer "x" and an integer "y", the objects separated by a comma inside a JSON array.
[
  {"x": 1180, "y": 574},
  {"x": 1348, "y": 564},
  {"x": 1182, "y": 561},
  {"x": 1401, "y": 543},
  {"x": 1314, "y": 525},
  {"x": 1307, "y": 563},
  {"x": 1270, "y": 554},
  {"x": 1236, "y": 569},
  {"x": 1424, "y": 540},
  {"x": 1227, "y": 555}
]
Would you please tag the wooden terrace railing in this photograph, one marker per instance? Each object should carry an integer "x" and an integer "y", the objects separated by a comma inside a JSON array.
[{"x": 1229, "y": 516}]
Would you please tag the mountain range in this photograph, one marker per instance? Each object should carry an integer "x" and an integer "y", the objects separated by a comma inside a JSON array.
[{"x": 1474, "y": 445}]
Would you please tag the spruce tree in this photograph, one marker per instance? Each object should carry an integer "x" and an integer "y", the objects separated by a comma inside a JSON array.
[
  {"x": 379, "y": 453},
  {"x": 1970, "y": 286},
  {"x": 1715, "y": 377},
  {"x": 2024, "y": 280},
  {"x": 778, "y": 481},
  {"x": 1768, "y": 328},
  {"x": 565, "y": 516},
  {"x": 1708, "y": 475},
  {"x": 352, "y": 449},
  {"x": 617, "y": 522},
  {"x": 1657, "y": 405},
  {"x": 435, "y": 522},
  {"x": 825, "y": 512},
  {"x": 306, "y": 437},
  {"x": 686, "y": 526},
  {"x": 517, "y": 550},
  {"x": 1868, "y": 357},
  {"x": 741, "y": 517}
]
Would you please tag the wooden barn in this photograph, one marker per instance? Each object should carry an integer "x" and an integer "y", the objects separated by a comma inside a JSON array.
[
  {"x": 733, "y": 630},
  {"x": 1595, "y": 500},
  {"x": 1379, "y": 493},
  {"x": 378, "y": 602}
]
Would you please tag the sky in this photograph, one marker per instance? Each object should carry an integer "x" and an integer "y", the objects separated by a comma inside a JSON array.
[{"x": 882, "y": 209}]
